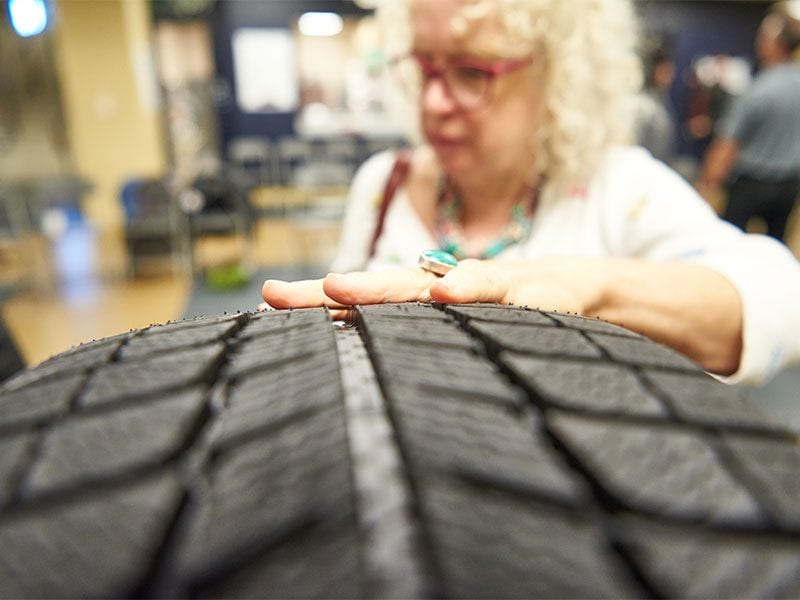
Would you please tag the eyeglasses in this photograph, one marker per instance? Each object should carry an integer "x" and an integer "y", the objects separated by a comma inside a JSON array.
[{"x": 469, "y": 81}]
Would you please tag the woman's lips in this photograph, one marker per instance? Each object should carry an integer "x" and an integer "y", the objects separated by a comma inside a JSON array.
[{"x": 446, "y": 142}]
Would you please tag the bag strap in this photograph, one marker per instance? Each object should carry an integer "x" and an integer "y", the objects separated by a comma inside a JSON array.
[{"x": 397, "y": 176}]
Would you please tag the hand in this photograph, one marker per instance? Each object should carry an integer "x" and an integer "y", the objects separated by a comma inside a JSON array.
[
  {"x": 689, "y": 307},
  {"x": 556, "y": 283}
]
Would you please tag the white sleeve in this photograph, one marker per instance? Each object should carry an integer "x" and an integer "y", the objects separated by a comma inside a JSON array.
[
  {"x": 363, "y": 200},
  {"x": 662, "y": 217}
]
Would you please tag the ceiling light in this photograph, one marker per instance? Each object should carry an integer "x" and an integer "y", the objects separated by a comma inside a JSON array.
[
  {"x": 320, "y": 23},
  {"x": 28, "y": 17}
]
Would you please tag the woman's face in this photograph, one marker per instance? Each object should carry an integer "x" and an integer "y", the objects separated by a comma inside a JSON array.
[{"x": 495, "y": 137}]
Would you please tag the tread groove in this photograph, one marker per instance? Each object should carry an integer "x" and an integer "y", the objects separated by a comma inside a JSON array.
[
  {"x": 433, "y": 574},
  {"x": 389, "y": 533}
]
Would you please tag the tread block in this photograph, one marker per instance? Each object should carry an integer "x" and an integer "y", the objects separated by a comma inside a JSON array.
[
  {"x": 489, "y": 544},
  {"x": 665, "y": 470},
  {"x": 702, "y": 564},
  {"x": 264, "y": 489},
  {"x": 113, "y": 340},
  {"x": 479, "y": 441},
  {"x": 13, "y": 449},
  {"x": 596, "y": 325},
  {"x": 643, "y": 352},
  {"x": 80, "y": 359},
  {"x": 98, "y": 545},
  {"x": 702, "y": 399},
  {"x": 90, "y": 447},
  {"x": 143, "y": 377},
  {"x": 437, "y": 368},
  {"x": 281, "y": 347},
  {"x": 87, "y": 355},
  {"x": 420, "y": 331},
  {"x": 270, "y": 321},
  {"x": 40, "y": 402},
  {"x": 550, "y": 341},
  {"x": 322, "y": 562},
  {"x": 404, "y": 310},
  {"x": 773, "y": 467},
  {"x": 157, "y": 340},
  {"x": 266, "y": 399},
  {"x": 596, "y": 387},
  {"x": 186, "y": 324},
  {"x": 499, "y": 313}
]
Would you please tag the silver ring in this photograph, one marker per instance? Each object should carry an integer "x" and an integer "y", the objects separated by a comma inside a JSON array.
[{"x": 438, "y": 262}]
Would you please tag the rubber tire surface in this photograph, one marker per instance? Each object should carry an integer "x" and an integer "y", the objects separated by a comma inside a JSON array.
[{"x": 421, "y": 451}]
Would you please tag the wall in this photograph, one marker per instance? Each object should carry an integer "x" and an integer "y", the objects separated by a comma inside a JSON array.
[
  {"x": 103, "y": 54},
  {"x": 697, "y": 27}
]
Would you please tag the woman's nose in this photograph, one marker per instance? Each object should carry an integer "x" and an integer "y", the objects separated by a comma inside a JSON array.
[{"x": 436, "y": 97}]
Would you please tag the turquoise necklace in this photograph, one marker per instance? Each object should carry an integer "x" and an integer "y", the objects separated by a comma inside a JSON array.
[{"x": 450, "y": 235}]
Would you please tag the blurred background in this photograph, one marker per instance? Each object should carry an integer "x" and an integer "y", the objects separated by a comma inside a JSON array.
[{"x": 160, "y": 158}]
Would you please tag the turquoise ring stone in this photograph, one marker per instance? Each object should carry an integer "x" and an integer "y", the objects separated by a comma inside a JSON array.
[{"x": 437, "y": 261}]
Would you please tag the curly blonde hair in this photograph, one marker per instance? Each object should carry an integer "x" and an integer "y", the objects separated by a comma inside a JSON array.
[{"x": 592, "y": 72}]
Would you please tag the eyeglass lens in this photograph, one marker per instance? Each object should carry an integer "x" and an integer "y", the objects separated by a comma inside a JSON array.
[{"x": 467, "y": 85}]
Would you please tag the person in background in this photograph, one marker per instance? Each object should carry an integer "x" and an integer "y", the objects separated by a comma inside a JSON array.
[
  {"x": 525, "y": 175},
  {"x": 656, "y": 124},
  {"x": 756, "y": 153}
]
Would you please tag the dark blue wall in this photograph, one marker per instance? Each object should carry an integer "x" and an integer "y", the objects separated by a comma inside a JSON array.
[{"x": 229, "y": 16}]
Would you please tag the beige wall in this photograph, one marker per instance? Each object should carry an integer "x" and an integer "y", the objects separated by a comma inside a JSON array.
[{"x": 103, "y": 54}]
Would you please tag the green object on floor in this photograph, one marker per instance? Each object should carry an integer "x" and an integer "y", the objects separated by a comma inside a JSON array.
[{"x": 227, "y": 277}]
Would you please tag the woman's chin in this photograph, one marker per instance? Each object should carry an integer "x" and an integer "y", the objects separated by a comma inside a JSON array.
[{"x": 455, "y": 160}]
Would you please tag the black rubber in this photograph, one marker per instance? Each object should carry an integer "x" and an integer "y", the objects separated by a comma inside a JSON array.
[{"x": 419, "y": 451}]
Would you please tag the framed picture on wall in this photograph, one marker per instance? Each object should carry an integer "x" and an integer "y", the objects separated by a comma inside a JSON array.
[{"x": 265, "y": 70}]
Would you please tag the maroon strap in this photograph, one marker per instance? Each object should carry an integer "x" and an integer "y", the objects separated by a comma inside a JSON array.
[{"x": 396, "y": 178}]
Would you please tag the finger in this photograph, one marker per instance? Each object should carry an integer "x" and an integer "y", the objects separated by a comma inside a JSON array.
[
  {"x": 399, "y": 285},
  {"x": 341, "y": 314},
  {"x": 472, "y": 281},
  {"x": 296, "y": 294}
]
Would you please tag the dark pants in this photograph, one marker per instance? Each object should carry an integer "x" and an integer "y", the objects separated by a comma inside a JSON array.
[{"x": 771, "y": 200}]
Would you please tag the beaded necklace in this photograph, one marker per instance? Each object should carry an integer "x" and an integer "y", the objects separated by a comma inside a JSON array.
[{"x": 450, "y": 235}]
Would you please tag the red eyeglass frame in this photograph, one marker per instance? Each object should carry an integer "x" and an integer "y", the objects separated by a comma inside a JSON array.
[{"x": 492, "y": 68}]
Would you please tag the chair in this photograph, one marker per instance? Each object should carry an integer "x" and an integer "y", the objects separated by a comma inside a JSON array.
[
  {"x": 377, "y": 144},
  {"x": 154, "y": 226},
  {"x": 248, "y": 153},
  {"x": 322, "y": 174},
  {"x": 342, "y": 150},
  {"x": 17, "y": 264},
  {"x": 218, "y": 205},
  {"x": 316, "y": 224},
  {"x": 293, "y": 153}
]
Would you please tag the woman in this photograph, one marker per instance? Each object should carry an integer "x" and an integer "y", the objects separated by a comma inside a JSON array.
[{"x": 523, "y": 107}]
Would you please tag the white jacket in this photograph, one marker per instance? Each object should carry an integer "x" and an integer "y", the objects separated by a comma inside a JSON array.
[{"x": 634, "y": 206}]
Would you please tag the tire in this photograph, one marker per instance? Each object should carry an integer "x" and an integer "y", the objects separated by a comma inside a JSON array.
[{"x": 421, "y": 451}]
